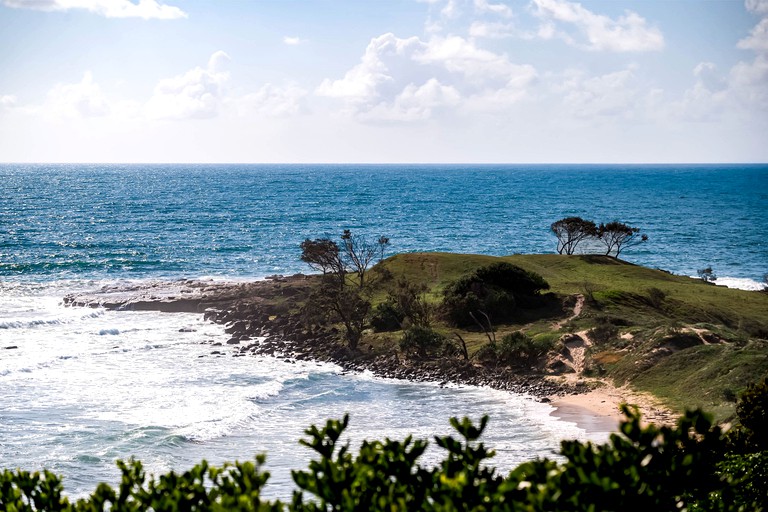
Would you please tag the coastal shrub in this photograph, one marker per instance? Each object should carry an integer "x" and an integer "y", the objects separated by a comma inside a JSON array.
[
  {"x": 495, "y": 290},
  {"x": 386, "y": 316},
  {"x": 617, "y": 236},
  {"x": 423, "y": 341},
  {"x": 486, "y": 353},
  {"x": 518, "y": 346},
  {"x": 331, "y": 303},
  {"x": 684, "y": 467},
  {"x": 405, "y": 305},
  {"x": 351, "y": 258},
  {"x": 746, "y": 475},
  {"x": 707, "y": 274},
  {"x": 752, "y": 409},
  {"x": 656, "y": 297}
]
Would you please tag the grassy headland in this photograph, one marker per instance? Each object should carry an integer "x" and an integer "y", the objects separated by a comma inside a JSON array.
[
  {"x": 688, "y": 342},
  {"x": 685, "y": 341}
]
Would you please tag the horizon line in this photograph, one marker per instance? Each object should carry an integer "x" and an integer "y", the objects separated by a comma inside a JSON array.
[{"x": 392, "y": 163}]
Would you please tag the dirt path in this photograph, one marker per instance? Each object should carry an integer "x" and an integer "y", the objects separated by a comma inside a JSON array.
[
  {"x": 604, "y": 400},
  {"x": 577, "y": 308}
]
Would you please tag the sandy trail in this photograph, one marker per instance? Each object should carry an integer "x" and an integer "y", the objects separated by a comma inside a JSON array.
[{"x": 599, "y": 409}]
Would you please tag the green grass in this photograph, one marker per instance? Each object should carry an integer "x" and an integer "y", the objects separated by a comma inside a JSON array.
[{"x": 638, "y": 300}]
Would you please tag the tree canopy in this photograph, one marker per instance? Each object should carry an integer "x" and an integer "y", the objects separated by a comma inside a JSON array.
[
  {"x": 570, "y": 231},
  {"x": 616, "y": 236}
]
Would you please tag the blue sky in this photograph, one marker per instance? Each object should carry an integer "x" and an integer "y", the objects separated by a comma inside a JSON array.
[{"x": 535, "y": 81}]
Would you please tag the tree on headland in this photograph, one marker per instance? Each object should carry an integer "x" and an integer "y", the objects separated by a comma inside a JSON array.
[
  {"x": 353, "y": 256},
  {"x": 337, "y": 298},
  {"x": 617, "y": 236},
  {"x": 322, "y": 254},
  {"x": 358, "y": 252},
  {"x": 346, "y": 305},
  {"x": 707, "y": 274},
  {"x": 383, "y": 243},
  {"x": 570, "y": 231}
]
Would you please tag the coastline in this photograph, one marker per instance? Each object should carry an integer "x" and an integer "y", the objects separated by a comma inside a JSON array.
[
  {"x": 257, "y": 328},
  {"x": 598, "y": 411}
]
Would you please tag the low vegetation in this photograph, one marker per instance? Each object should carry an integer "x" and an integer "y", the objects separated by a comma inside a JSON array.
[{"x": 684, "y": 340}]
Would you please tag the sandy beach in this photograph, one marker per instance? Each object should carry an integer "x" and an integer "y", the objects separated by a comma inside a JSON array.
[{"x": 598, "y": 411}]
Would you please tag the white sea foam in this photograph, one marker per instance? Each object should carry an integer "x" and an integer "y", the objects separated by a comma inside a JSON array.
[
  {"x": 100, "y": 385},
  {"x": 740, "y": 283}
]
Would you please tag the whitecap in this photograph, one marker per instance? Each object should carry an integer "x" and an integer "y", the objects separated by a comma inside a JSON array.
[{"x": 740, "y": 283}]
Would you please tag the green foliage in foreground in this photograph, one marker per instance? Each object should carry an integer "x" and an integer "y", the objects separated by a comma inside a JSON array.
[{"x": 688, "y": 467}]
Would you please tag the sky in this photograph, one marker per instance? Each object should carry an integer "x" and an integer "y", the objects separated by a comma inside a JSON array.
[{"x": 384, "y": 81}]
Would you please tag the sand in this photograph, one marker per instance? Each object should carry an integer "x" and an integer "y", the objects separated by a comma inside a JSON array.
[{"x": 598, "y": 412}]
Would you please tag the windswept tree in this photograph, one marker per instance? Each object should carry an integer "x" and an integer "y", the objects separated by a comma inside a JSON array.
[
  {"x": 346, "y": 305},
  {"x": 342, "y": 297},
  {"x": 617, "y": 236},
  {"x": 358, "y": 252},
  {"x": 570, "y": 231},
  {"x": 323, "y": 254},
  {"x": 353, "y": 255}
]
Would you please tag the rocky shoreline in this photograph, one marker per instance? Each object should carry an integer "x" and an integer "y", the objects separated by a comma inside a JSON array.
[{"x": 257, "y": 317}]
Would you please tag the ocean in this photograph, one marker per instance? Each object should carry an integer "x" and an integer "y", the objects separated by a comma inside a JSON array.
[{"x": 83, "y": 387}]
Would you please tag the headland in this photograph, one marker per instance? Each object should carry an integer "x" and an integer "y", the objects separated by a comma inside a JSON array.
[{"x": 607, "y": 332}]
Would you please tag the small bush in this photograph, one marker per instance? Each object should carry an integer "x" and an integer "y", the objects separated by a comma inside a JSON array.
[
  {"x": 386, "y": 317},
  {"x": 423, "y": 341},
  {"x": 753, "y": 414},
  {"x": 405, "y": 305},
  {"x": 517, "y": 348},
  {"x": 707, "y": 275},
  {"x": 497, "y": 290},
  {"x": 656, "y": 297}
]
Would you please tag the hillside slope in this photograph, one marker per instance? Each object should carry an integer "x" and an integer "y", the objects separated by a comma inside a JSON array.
[{"x": 688, "y": 342}]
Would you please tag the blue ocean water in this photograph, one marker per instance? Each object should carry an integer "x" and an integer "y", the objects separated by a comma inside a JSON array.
[
  {"x": 80, "y": 388},
  {"x": 248, "y": 220}
]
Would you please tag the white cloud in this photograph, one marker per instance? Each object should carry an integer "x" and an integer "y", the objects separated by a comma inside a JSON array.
[
  {"x": 748, "y": 81},
  {"x": 629, "y": 33},
  {"x": 608, "y": 95},
  {"x": 361, "y": 83},
  {"x": 742, "y": 92},
  {"x": 146, "y": 9},
  {"x": 292, "y": 40},
  {"x": 274, "y": 101},
  {"x": 83, "y": 99},
  {"x": 400, "y": 79},
  {"x": 415, "y": 103},
  {"x": 492, "y": 30},
  {"x": 757, "y": 39},
  {"x": 757, "y": 6},
  {"x": 705, "y": 101},
  {"x": 451, "y": 9},
  {"x": 197, "y": 94},
  {"x": 484, "y": 6},
  {"x": 459, "y": 55},
  {"x": 7, "y": 101}
]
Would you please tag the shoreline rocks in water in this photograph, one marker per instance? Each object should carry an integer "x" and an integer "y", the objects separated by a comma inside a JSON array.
[{"x": 256, "y": 316}]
